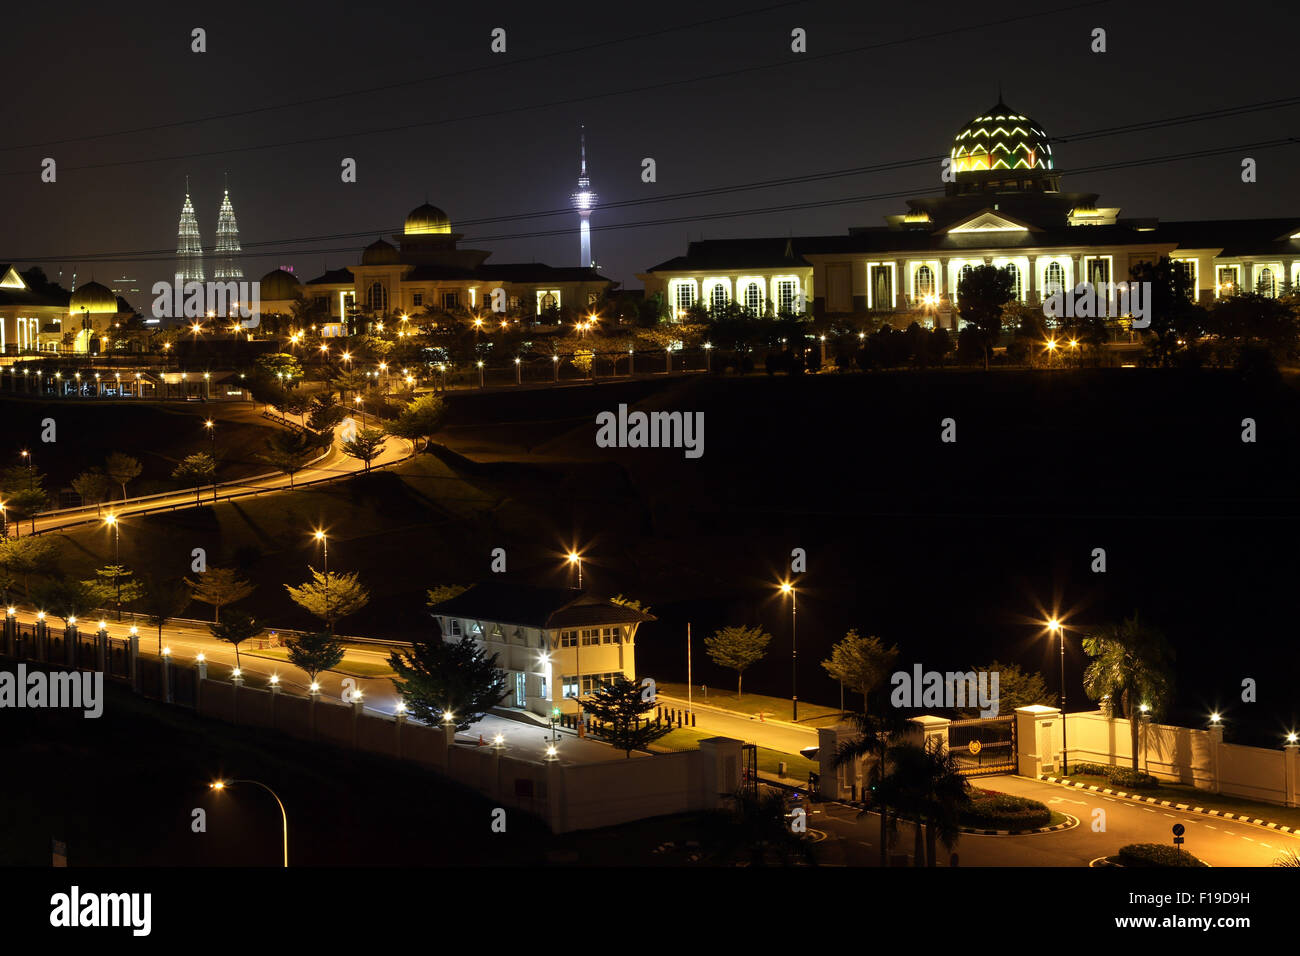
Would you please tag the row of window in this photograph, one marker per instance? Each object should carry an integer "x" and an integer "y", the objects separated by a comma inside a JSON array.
[
  {"x": 591, "y": 635},
  {"x": 590, "y": 683},
  {"x": 751, "y": 297}
]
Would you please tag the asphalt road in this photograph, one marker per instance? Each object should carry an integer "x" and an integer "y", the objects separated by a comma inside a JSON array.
[{"x": 854, "y": 841}]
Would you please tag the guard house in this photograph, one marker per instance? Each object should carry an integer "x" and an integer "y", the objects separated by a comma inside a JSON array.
[{"x": 554, "y": 643}]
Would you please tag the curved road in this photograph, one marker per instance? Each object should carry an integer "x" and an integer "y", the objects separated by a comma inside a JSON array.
[{"x": 333, "y": 466}]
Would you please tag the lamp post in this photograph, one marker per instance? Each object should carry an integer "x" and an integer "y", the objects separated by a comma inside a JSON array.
[
  {"x": 361, "y": 405},
  {"x": 324, "y": 540},
  {"x": 111, "y": 521},
  {"x": 788, "y": 588},
  {"x": 576, "y": 559},
  {"x": 220, "y": 785},
  {"x": 211, "y": 426},
  {"x": 1058, "y": 628}
]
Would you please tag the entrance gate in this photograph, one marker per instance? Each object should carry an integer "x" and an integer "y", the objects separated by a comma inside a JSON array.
[{"x": 985, "y": 745}]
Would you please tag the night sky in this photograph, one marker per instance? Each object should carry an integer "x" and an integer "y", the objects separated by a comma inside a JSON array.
[{"x": 109, "y": 69}]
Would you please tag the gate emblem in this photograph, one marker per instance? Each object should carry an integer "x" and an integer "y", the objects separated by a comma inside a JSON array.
[{"x": 974, "y": 746}]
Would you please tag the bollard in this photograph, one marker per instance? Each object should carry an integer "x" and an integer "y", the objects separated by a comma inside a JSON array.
[{"x": 692, "y": 718}]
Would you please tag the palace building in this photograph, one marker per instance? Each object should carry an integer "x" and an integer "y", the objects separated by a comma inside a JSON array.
[
  {"x": 424, "y": 267},
  {"x": 1002, "y": 206},
  {"x": 44, "y": 321}
]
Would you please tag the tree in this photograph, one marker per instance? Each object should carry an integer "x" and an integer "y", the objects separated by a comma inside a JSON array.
[
  {"x": 925, "y": 782},
  {"x": 65, "y": 598},
  {"x": 1177, "y": 321},
  {"x": 164, "y": 599},
  {"x": 1016, "y": 688},
  {"x": 756, "y": 827},
  {"x": 219, "y": 587},
  {"x": 420, "y": 419},
  {"x": 197, "y": 469},
  {"x": 325, "y": 413},
  {"x": 860, "y": 663},
  {"x": 874, "y": 740},
  {"x": 366, "y": 445},
  {"x": 736, "y": 648},
  {"x": 619, "y": 708},
  {"x": 235, "y": 629},
  {"x": 330, "y": 597},
  {"x": 288, "y": 452},
  {"x": 123, "y": 469},
  {"x": 981, "y": 294},
  {"x": 632, "y": 603},
  {"x": 115, "y": 583},
  {"x": 93, "y": 486},
  {"x": 278, "y": 364},
  {"x": 1132, "y": 664},
  {"x": 314, "y": 652},
  {"x": 24, "y": 557},
  {"x": 26, "y": 503},
  {"x": 448, "y": 681},
  {"x": 443, "y": 592}
]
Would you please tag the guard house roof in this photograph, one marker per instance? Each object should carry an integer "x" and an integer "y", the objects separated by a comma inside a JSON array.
[{"x": 528, "y": 606}]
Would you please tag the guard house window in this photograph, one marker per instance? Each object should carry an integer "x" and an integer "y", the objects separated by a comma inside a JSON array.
[
  {"x": 1266, "y": 283},
  {"x": 377, "y": 298},
  {"x": 417, "y": 299},
  {"x": 569, "y": 683},
  {"x": 568, "y": 638},
  {"x": 924, "y": 282},
  {"x": 453, "y": 623},
  {"x": 754, "y": 299},
  {"x": 496, "y": 632},
  {"x": 609, "y": 635},
  {"x": 785, "y": 293},
  {"x": 1054, "y": 278},
  {"x": 718, "y": 298},
  {"x": 590, "y": 635},
  {"x": 1188, "y": 268},
  {"x": 685, "y": 297}
]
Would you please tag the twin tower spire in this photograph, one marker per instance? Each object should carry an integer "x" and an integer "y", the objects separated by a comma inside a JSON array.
[{"x": 189, "y": 247}]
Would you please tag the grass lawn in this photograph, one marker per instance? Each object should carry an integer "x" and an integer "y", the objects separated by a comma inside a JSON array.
[
  {"x": 1181, "y": 793},
  {"x": 683, "y": 738},
  {"x": 349, "y": 667},
  {"x": 811, "y": 715}
]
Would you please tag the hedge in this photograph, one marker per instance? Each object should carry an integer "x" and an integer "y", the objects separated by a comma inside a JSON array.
[
  {"x": 1002, "y": 811},
  {"x": 1156, "y": 854},
  {"x": 1125, "y": 777}
]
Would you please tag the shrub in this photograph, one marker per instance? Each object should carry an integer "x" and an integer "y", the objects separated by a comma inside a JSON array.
[
  {"x": 1156, "y": 854},
  {"x": 1131, "y": 779},
  {"x": 1002, "y": 811}
]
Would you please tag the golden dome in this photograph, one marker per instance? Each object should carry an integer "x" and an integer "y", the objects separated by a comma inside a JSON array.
[
  {"x": 427, "y": 220},
  {"x": 93, "y": 298}
]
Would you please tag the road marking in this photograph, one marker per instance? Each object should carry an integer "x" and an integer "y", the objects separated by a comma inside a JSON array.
[
  {"x": 1148, "y": 810},
  {"x": 1171, "y": 816}
]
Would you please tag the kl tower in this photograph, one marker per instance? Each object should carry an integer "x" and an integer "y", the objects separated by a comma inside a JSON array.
[{"x": 584, "y": 200}]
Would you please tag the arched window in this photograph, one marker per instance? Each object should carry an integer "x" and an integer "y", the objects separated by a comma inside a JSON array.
[
  {"x": 1053, "y": 279},
  {"x": 1014, "y": 271},
  {"x": 718, "y": 297},
  {"x": 962, "y": 273},
  {"x": 1266, "y": 283},
  {"x": 377, "y": 298},
  {"x": 924, "y": 282},
  {"x": 754, "y": 298},
  {"x": 548, "y": 302},
  {"x": 685, "y": 298}
]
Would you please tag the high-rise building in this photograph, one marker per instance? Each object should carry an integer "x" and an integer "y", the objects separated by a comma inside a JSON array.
[
  {"x": 189, "y": 248},
  {"x": 228, "y": 250},
  {"x": 584, "y": 201}
]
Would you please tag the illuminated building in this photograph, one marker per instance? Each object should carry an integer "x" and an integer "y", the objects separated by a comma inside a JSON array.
[
  {"x": 1002, "y": 205},
  {"x": 553, "y": 643},
  {"x": 584, "y": 201},
  {"x": 189, "y": 248},
  {"x": 426, "y": 271},
  {"x": 30, "y": 319},
  {"x": 228, "y": 250}
]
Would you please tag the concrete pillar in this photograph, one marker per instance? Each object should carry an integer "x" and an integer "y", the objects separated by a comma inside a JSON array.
[
  {"x": 932, "y": 730},
  {"x": 167, "y": 677},
  {"x": 133, "y": 662},
  {"x": 1216, "y": 741},
  {"x": 101, "y": 647},
  {"x": 11, "y": 635},
  {"x": 201, "y": 674},
  {"x": 1037, "y": 729},
  {"x": 1292, "y": 754},
  {"x": 70, "y": 644}
]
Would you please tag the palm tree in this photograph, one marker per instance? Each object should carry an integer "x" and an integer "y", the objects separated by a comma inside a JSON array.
[
  {"x": 928, "y": 784},
  {"x": 1132, "y": 663},
  {"x": 874, "y": 741},
  {"x": 757, "y": 825}
]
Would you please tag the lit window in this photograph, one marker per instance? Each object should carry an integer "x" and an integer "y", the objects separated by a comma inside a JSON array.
[
  {"x": 684, "y": 297},
  {"x": 1054, "y": 278},
  {"x": 570, "y": 684},
  {"x": 1014, "y": 271},
  {"x": 417, "y": 299},
  {"x": 377, "y": 298},
  {"x": 754, "y": 299},
  {"x": 1266, "y": 283},
  {"x": 450, "y": 300},
  {"x": 924, "y": 282},
  {"x": 718, "y": 298},
  {"x": 786, "y": 290}
]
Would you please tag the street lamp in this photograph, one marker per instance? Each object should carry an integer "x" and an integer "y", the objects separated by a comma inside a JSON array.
[
  {"x": 1054, "y": 626},
  {"x": 324, "y": 540},
  {"x": 111, "y": 521},
  {"x": 788, "y": 588},
  {"x": 220, "y": 785},
  {"x": 575, "y": 559},
  {"x": 211, "y": 426}
]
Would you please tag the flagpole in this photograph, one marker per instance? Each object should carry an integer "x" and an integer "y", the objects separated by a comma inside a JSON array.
[{"x": 690, "y": 703}]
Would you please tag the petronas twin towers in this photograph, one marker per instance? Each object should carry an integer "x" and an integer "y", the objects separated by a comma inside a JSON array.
[{"x": 189, "y": 246}]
